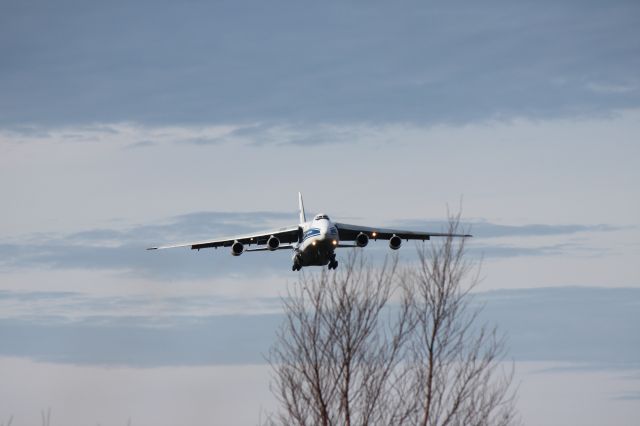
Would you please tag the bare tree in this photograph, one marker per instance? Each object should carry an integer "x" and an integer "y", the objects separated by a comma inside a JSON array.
[
  {"x": 367, "y": 346},
  {"x": 457, "y": 377},
  {"x": 334, "y": 361}
]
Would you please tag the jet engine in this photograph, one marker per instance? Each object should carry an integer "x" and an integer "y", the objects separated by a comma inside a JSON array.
[
  {"x": 362, "y": 240},
  {"x": 237, "y": 248},
  {"x": 395, "y": 242},
  {"x": 273, "y": 243}
]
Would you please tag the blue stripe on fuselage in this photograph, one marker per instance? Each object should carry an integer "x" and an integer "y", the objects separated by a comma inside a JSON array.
[{"x": 311, "y": 233}]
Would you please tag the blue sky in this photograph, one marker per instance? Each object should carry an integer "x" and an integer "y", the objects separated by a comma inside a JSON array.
[{"x": 130, "y": 124}]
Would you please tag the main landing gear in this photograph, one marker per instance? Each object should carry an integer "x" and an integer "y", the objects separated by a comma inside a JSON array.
[
  {"x": 297, "y": 263},
  {"x": 333, "y": 263}
]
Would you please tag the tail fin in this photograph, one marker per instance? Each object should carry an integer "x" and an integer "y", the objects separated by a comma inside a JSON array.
[{"x": 303, "y": 218}]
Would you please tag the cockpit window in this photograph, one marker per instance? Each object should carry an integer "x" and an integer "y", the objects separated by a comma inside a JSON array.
[{"x": 321, "y": 216}]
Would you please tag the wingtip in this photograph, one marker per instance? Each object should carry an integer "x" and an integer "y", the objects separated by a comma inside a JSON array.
[{"x": 152, "y": 248}]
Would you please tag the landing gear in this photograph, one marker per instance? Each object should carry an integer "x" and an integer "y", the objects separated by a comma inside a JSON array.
[
  {"x": 297, "y": 263},
  {"x": 333, "y": 263}
]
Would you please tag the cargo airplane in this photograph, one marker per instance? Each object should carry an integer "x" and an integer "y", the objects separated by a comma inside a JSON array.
[{"x": 313, "y": 242}]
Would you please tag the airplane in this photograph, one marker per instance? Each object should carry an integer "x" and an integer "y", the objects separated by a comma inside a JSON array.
[{"x": 313, "y": 242}]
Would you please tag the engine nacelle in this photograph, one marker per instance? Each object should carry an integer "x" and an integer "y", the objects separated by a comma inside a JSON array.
[
  {"x": 237, "y": 248},
  {"x": 362, "y": 240},
  {"x": 273, "y": 243},
  {"x": 395, "y": 242}
]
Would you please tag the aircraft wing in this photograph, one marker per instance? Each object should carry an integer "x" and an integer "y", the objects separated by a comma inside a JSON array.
[
  {"x": 285, "y": 235},
  {"x": 348, "y": 232}
]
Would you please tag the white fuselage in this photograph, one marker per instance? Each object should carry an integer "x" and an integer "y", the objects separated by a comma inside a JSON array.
[{"x": 319, "y": 240}]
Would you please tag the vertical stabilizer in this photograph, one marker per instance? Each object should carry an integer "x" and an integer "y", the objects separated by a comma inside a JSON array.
[{"x": 303, "y": 218}]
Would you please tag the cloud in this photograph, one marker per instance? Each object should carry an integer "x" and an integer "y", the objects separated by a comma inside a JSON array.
[
  {"x": 189, "y": 226},
  {"x": 484, "y": 229},
  {"x": 123, "y": 249},
  {"x": 612, "y": 88},
  {"x": 289, "y": 134},
  {"x": 134, "y": 341},
  {"x": 591, "y": 326},
  {"x": 508, "y": 251},
  {"x": 202, "y": 141},
  {"x": 33, "y": 295},
  {"x": 125, "y": 134},
  {"x": 576, "y": 324},
  {"x": 328, "y": 62},
  {"x": 142, "y": 144},
  {"x": 160, "y": 310},
  {"x": 627, "y": 396},
  {"x": 130, "y": 135}
]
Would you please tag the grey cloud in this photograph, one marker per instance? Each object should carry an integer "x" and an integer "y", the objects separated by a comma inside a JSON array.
[
  {"x": 592, "y": 366},
  {"x": 251, "y": 61},
  {"x": 141, "y": 144},
  {"x": 483, "y": 229},
  {"x": 202, "y": 141},
  {"x": 36, "y": 295},
  {"x": 66, "y": 307},
  {"x": 505, "y": 251},
  {"x": 231, "y": 339},
  {"x": 377, "y": 250},
  {"x": 189, "y": 226},
  {"x": 257, "y": 131},
  {"x": 134, "y": 259},
  {"x": 627, "y": 396},
  {"x": 584, "y": 325},
  {"x": 290, "y": 134},
  {"x": 318, "y": 137},
  {"x": 613, "y": 88},
  {"x": 578, "y": 324},
  {"x": 123, "y": 249}
]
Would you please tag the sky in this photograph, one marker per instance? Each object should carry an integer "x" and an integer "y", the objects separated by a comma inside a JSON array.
[{"x": 125, "y": 125}]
